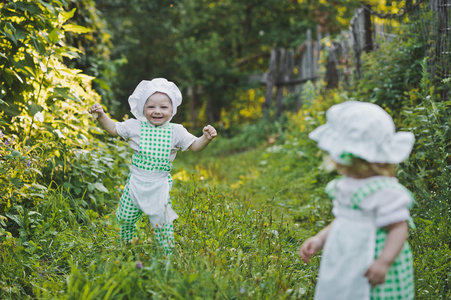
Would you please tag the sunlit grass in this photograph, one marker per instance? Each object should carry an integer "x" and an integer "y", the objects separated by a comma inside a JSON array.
[{"x": 243, "y": 215}]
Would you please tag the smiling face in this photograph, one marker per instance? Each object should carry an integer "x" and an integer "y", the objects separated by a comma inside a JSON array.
[{"x": 158, "y": 109}]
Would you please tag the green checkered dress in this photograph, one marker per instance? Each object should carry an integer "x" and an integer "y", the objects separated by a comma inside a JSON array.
[
  {"x": 154, "y": 153},
  {"x": 399, "y": 281}
]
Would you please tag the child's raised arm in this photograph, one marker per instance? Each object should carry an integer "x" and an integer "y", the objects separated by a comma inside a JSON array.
[
  {"x": 105, "y": 121},
  {"x": 397, "y": 235},
  {"x": 209, "y": 133}
]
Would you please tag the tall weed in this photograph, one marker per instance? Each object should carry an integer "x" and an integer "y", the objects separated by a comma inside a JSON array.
[{"x": 427, "y": 175}]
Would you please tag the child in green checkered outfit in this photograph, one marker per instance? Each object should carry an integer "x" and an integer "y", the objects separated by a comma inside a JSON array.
[
  {"x": 365, "y": 254},
  {"x": 155, "y": 142}
]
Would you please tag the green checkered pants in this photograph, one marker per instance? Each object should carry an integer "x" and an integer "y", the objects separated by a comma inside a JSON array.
[{"x": 128, "y": 214}]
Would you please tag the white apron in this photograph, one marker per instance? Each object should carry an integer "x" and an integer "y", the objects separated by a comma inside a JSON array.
[
  {"x": 149, "y": 184},
  {"x": 149, "y": 191},
  {"x": 350, "y": 249},
  {"x": 347, "y": 254}
]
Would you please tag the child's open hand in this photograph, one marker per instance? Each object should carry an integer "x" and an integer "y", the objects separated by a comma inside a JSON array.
[
  {"x": 209, "y": 132},
  {"x": 310, "y": 247},
  {"x": 95, "y": 110},
  {"x": 376, "y": 272}
]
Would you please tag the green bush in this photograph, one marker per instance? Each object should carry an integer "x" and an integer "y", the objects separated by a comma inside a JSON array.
[{"x": 391, "y": 71}]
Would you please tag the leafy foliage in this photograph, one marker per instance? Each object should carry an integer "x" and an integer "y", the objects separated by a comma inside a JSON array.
[
  {"x": 208, "y": 48},
  {"x": 393, "y": 71},
  {"x": 245, "y": 204},
  {"x": 397, "y": 77},
  {"x": 45, "y": 128},
  {"x": 94, "y": 42}
]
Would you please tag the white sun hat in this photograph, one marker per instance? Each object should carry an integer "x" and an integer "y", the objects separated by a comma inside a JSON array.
[
  {"x": 147, "y": 88},
  {"x": 364, "y": 130}
]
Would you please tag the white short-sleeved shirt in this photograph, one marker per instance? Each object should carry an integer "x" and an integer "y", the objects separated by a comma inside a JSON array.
[
  {"x": 388, "y": 205},
  {"x": 130, "y": 130}
]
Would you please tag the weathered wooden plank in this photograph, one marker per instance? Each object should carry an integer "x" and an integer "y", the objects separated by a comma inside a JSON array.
[
  {"x": 270, "y": 79},
  {"x": 282, "y": 70}
]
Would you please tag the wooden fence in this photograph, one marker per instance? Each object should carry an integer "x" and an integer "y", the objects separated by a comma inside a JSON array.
[{"x": 289, "y": 70}]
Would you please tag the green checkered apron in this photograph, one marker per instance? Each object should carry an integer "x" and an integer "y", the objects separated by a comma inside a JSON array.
[
  {"x": 368, "y": 240},
  {"x": 148, "y": 185}
]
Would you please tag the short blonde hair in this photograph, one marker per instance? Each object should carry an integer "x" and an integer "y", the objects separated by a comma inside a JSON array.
[{"x": 360, "y": 168}]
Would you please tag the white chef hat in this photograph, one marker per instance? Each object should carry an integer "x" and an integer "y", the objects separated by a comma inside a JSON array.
[{"x": 147, "y": 88}]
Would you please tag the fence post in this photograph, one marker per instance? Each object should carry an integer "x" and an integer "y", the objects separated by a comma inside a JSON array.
[
  {"x": 281, "y": 74},
  {"x": 290, "y": 76},
  {"x": 317, "y": 52},
  {"x": 357, "y": 34},
  {"x": 368, "y": 29},
  {"x": 310, "y": 57},
  {"x": 270, "y": 79},
  {"x": 332, "y": 77}
]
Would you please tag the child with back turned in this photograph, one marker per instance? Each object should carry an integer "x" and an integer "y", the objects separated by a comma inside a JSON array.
[
  {"x": 365, "y": 252},
  {"x": 155, "y": 142}
]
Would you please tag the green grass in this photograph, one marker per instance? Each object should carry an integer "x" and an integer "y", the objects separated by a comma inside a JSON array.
[
  {"x": 227, "y": 247},
  {"x": 237, "y": 237},
  {"x": 243, "y": 215}
]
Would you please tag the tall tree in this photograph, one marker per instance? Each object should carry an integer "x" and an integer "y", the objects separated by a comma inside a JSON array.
[
  {"x": 209, "y": 47},
  {"x": 143, "y": 34}
]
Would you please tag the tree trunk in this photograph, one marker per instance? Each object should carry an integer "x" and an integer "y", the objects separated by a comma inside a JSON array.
[
  {"x": 213, "y": 111},
  {"x": 193, "y": 104}
]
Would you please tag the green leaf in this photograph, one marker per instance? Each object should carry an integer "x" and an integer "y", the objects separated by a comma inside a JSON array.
[
  {"x": 68, "y": 185},
  {"x": 20, "y": 34},
  {"x": 32, "y": 213},
  {"x": 99, "y": 186},
  {"x": 30, "y": 62},
  {"x": 34, "y": 108},
  {"x": 12, "y": 110},
  {"x": 9, "y": 76},
  {"x": 37, "y": 171},
  {"x": 2, "y": 220},
  {"x": 30, "y": 7},
  {"x": 70, "y": 52},
  {"x": 76, "y": 28},
  {"x": 38, "y": 44},
  {"x": 98, "y": 170},
  {"x": 24, "y": 69},
  {"x": 65, "y": 93},
  {"x": 67, "y": 14},
  {"x": 9, "y": 31},
  {"x": 17, "y": 219},
  {"x": 53, "y": 36},
  {"x": 48, "y": 6}
]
